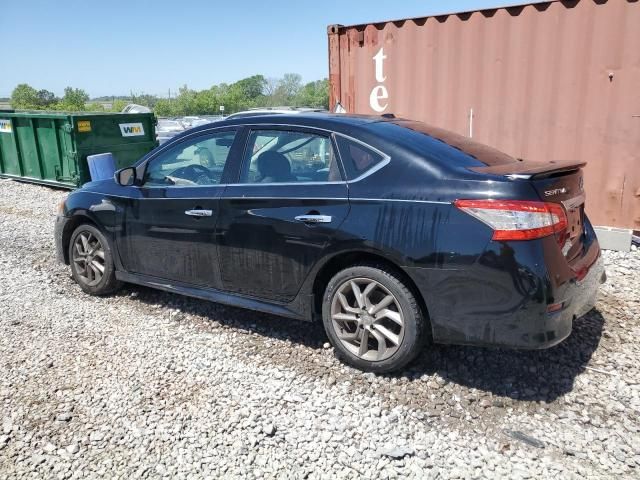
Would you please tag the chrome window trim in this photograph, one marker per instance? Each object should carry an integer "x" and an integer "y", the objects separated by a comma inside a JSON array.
[
  {"x": 372, "y": 170},
  {"x": 161, "y": 150},
  {"x": 265, "y": 126},
  {"x": 386, "y": 159},
  {"x": 357, "y": 199},
  {"x": 437, "y": 202},
  {"x": 237, "y": 197},
  {"x": 169, "y": 143},
  {"x": 267, "y": 184},
  {"x": 175, "y": 187},
  {"x": 300, "y": 128}
]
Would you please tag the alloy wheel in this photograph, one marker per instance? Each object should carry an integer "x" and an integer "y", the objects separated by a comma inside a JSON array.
[
  {"x": 88, "y": 258},
  {"x": 367, "y": 319}
]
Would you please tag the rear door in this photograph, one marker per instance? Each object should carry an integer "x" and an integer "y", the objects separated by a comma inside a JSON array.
[
  {"x": 278, "y": 221},
  {"x": 169, "y": 230}
]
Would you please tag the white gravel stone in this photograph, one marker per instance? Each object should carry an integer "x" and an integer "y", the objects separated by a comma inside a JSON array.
[
  {"x": 149, "y": 384},
  {"x": 73, "y": 448}
]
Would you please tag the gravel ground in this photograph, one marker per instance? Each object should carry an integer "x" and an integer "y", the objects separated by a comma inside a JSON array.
[{"x": 149, "y": 384}]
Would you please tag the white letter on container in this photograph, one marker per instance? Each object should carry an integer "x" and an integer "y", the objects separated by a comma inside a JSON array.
[
  {"x": 378, "y": 93},
  {"x": 379, "y": 58}
]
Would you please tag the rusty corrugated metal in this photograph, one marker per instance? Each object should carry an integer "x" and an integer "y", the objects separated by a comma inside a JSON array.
[{"x": 558, "y": 80}]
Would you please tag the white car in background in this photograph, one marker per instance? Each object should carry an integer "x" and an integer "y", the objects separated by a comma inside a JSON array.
[
  {"x": 252, "y": 112},
  {"x": 189, "y": 121},
  {"x": 167, "y": 128}
]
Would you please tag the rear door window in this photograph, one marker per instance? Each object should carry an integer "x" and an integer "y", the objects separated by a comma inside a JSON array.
[{"x": 288, "y": 156}]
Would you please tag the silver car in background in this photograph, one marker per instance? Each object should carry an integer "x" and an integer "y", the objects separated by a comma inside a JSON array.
[{"x": 167, "y": 128}]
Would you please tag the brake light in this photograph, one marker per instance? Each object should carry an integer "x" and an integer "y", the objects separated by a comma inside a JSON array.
[{"x": 517, "y": 219}]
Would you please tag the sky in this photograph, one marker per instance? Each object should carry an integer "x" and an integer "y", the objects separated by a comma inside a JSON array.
[{"x": 114, "y": 47}]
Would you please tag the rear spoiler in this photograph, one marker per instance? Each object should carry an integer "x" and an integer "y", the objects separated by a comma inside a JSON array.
[{"x": 527, "y": 169}]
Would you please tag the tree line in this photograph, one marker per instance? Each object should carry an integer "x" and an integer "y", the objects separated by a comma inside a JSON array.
[{"x": 250, "y": 92}]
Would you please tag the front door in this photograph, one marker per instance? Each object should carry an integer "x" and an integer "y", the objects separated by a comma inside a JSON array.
[
  {"x": 279, "y": 220},
  {"x": 169, "y": 231}
]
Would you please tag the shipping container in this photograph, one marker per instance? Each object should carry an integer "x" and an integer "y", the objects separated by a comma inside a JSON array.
[
  {"x": 52, "y": 147},
  {"x": 557, "y": 80}
]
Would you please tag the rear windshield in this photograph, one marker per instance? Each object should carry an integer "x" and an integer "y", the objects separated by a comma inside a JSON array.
[{"x": 442, "y": 145}]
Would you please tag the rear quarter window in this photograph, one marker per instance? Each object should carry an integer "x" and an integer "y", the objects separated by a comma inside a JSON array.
[{"x": 356, "y": 157}]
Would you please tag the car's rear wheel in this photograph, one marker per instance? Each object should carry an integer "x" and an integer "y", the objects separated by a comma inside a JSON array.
[
  {"x": 91, "y": 261},
  {"x": 373, "y": 319}
]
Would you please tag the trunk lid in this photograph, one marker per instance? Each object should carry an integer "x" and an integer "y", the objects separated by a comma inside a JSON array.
[{"x": 566, "y": 188}]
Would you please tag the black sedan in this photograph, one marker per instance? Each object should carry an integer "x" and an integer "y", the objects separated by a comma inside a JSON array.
[{"x": 390, "y": 232}]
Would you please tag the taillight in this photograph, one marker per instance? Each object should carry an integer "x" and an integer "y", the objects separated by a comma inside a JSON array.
[{"x": 517, "y": 219}]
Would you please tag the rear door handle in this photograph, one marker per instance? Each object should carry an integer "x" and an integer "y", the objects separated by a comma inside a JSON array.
[
  {"x": 199, "y": 213},
  {"x": 314, "y": 218}
]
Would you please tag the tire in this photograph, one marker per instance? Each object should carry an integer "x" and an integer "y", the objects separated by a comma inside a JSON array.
[
  {"x": 91, "y": 261},
  {"x": 399, "y": 323}
]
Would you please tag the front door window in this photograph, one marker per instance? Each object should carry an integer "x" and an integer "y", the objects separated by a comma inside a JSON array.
[{"x": 196, "y": 162}]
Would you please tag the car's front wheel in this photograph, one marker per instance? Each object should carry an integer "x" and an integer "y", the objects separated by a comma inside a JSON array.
[
  {"x": 91, "y": 260},
  {"x": 373, "y": 319}
]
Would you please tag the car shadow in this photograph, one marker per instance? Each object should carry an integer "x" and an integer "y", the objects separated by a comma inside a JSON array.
[
  {"x": 530, "y": 375},
  {"x": 311, "y": 335}
]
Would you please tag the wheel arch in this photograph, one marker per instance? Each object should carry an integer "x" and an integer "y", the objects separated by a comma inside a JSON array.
[
  {"x": 74, "y": 222},
  {"x": 348, "y": 259}
]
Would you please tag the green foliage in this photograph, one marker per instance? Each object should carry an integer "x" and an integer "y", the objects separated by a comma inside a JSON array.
[
  {"x": 313, "y": 94},
  {"x": 74, "y": 100},
  {"x": 251, "y": 88},
  {"x": 163, "y": 108},
  {"x": 45, "y": 98},
  {"x": 118, "y": 105},
  {"x": 94, "y": 107},
  {"x": 24, "y": 97},
  {"x": 251, "y": 92},
  {"x": 144, "y": 99}
]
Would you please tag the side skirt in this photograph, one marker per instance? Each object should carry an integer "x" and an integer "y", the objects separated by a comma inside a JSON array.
[{"x": 299, "y": 308}]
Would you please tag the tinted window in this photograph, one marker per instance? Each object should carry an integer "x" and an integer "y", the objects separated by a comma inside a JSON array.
[
  {"x": 357, "y": 158},
  {"x": 438, "y": 145},
  {"x": 480, "y": 152},
  {"x": 282, "y": 156},
  {"x": 198, "y": 161}
]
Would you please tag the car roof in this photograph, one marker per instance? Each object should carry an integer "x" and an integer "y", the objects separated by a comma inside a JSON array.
[
  {"x": 274, "y": 110},
  {"x": 356, "y": 125},
  {"x": 327, "y": 120}
]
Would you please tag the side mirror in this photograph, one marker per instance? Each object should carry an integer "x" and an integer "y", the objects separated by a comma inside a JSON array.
[{"x": 125, "y": 176}]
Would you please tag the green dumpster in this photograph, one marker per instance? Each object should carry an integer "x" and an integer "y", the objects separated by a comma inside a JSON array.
[{"x": 52, "y": 147}]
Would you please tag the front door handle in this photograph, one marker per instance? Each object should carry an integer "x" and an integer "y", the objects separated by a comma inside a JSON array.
[
  {"x": 314, "y": 218},
  {"x": 199, "y": 213}
]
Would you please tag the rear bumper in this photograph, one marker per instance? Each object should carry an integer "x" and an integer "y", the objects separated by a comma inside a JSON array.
[
  {"x": 586, "y": 290},
  {"x": 503, "y": 300},
  {"x": 579, "y": 298}
]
